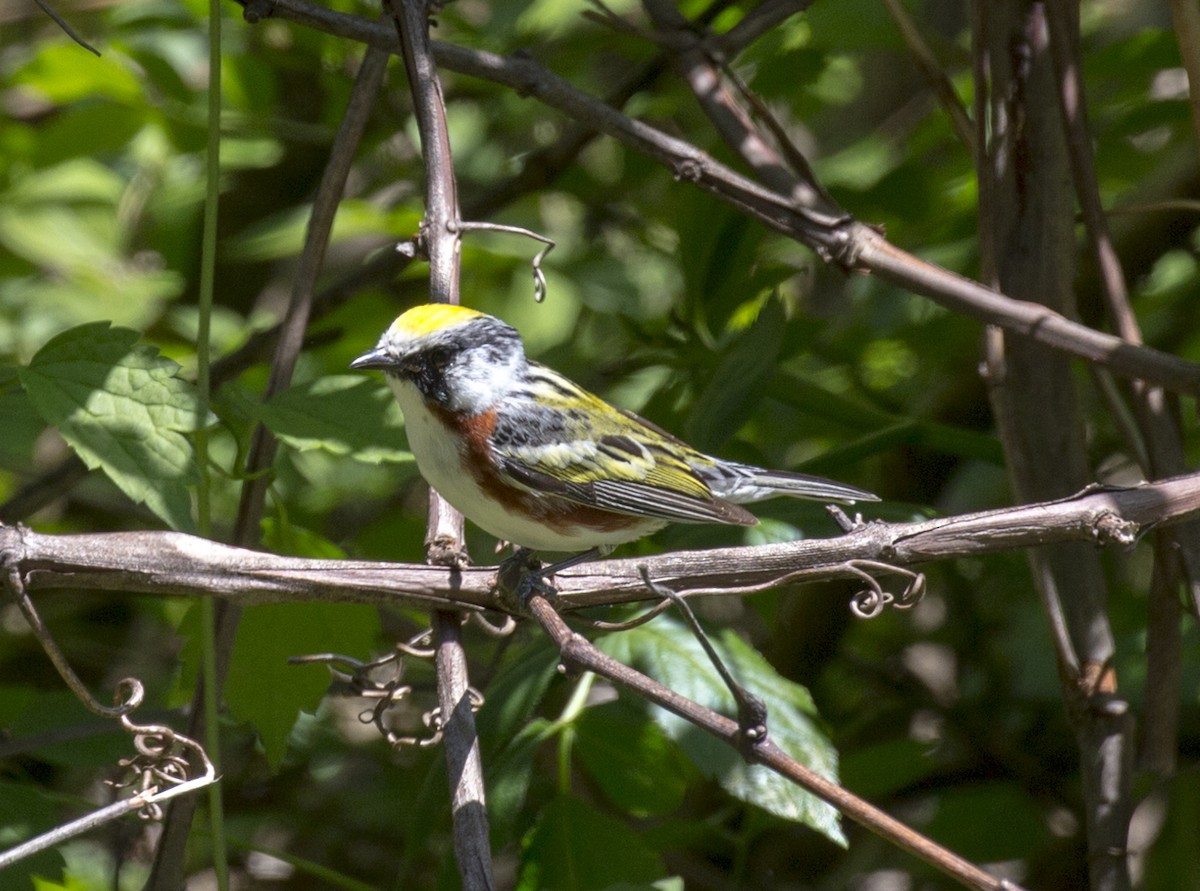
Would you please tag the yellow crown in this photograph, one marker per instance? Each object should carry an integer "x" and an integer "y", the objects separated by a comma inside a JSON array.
[{"x": 430, "y": 317}]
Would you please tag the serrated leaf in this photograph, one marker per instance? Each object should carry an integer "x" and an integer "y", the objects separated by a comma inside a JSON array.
[
  {"x": 667, "y": 652},
  {"x": 342, "y": 414},
  {"x": 123, "y": 408}
]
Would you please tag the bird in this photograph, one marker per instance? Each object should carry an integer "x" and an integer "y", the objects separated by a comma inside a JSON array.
[{"x": 536, "y": 460}]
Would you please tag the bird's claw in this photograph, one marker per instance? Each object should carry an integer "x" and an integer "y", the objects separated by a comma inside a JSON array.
[
  {"x": 531, "y": 583},
  {"x": 520, "y": 577}
]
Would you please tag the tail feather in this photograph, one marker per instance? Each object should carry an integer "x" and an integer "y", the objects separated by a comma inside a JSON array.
[{"x": 744, "y": 483}]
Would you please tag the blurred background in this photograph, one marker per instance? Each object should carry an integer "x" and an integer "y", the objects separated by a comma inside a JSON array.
[{"x": 661, "y": 299}]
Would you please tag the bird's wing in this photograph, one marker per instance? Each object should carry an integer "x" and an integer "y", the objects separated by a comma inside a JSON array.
[{"x": 564, "y": 441}]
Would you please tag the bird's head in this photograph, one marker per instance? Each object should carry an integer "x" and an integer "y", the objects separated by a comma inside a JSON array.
[{"x": 457, "y": 358}]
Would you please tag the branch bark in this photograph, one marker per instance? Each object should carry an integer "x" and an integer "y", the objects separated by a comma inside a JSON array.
[
  {"x": 174, "y": 564},
  {"x": 444, "y": 538},
  {"x": 1034, "y": 397}
]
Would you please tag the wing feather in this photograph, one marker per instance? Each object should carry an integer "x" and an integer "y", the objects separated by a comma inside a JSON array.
[
  {"x": 561, "y": 440},
  {"x": 633, "y": 498}
]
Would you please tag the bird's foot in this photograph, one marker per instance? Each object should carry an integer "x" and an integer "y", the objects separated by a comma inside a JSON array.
[
  {"x": 522, "y": 575},
  {"x": 519, "y": 577}
]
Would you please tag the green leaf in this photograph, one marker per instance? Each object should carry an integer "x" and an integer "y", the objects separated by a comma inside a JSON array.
[
  {"x": 515, "y": 691},
  {"x": 957, "y": 825},
  {"x": 69, "y": 883},
  {"x": 62, "y": 74},
  {"x": 508, "y": 776},
  {"x": 341, "y": 414},
  {"x": 263, "y": 687},
  {"x": 25, "y": 812},
  {"x": 578, "y": 848},
  {"x": 269, "y": 692},
  {"x": 283, "y": 234},
  {"x": 123, "y": 408},
  {"x": 631, "y": 759},
  {"x": 22, "y": 426},
  {"x": 667, "y": 652}
]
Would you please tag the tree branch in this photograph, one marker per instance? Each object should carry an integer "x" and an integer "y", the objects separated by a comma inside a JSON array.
[
  {"x": 1038, "y": 411},
  {"x": 840, "y": 239},
  {"x": 444, "y": 539},
  {"x": 171, "y": 563}
]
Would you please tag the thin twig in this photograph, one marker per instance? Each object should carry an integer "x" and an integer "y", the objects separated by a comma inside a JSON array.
[
  {"x": 935, "y": 76},
  {"x": 539, "y": 277},
  {"x": 790, "y": 175},
  {"x": 67, "y": 29}
]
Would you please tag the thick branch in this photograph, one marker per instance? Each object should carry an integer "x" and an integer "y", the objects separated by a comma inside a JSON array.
[{"x": 175, "y": 564}]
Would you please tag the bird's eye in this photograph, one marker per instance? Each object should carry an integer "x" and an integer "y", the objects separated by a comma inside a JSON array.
[{"x": 439, "y": 357}]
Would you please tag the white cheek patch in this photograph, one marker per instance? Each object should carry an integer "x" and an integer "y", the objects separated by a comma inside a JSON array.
[{"x": 477, "y": 385}]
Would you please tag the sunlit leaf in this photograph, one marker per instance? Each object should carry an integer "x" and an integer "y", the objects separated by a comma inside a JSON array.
[
  {"x": 668, "y": 652},
  {"x": 342, "y": 414},
  {"x": 122, "y": 408}
]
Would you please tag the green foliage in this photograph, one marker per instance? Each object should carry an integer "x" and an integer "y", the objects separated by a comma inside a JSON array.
[
  {"x": 631, "y": 759},
  {"x": 669, "y": 653},
  {"x": 342, "y": 415},
  {"x": 122, "y": 408},
  {"x": 574, "y": 845},
  {"x": 662, "y": 299}
]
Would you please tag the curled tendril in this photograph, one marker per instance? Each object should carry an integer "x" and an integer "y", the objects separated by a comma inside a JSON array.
[
  {"x": 389, "y": 691},
  {"x": 539, "y": 277},
  {"x": 164, "y": 760},
  {"x": 433, "y": 722},
  {"x": 129, "y": 693},
  {"x": 873, "y": 600},
  {"x": 504, "y": 629}
]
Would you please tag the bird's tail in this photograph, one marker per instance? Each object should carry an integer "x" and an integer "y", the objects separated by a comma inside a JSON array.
[{"x": 742, "y": 483}]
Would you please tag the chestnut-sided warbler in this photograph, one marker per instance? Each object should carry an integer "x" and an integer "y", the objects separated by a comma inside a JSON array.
[{"x": 538, "y": 461}]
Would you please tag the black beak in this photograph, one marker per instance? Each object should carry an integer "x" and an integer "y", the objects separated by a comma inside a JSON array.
[{"x": 376, "y": 358}]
